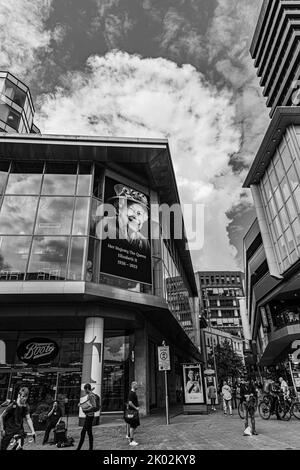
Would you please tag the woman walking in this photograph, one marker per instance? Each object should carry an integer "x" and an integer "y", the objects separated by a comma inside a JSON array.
[{"x": 133, "y": 423}]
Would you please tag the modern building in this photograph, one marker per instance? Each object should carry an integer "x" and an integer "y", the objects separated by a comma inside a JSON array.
[
  {"x": 179, "y": 302},
  {"x": 272, "y": 244},
  {"x": 276, "y": 51},
  {"x": 85, "y": 266},
  {"x": 16, "y": 106},
  {"x": 219, "y": 293}
]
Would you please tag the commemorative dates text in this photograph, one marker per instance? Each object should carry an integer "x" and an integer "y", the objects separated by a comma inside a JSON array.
[{"x": 150, "y": 459}]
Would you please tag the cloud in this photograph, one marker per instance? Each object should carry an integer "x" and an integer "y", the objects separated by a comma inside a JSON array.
[
  {"x": 23, "y": 34},
  {"x": 229, "y": 40},
  {"x": 127, "y": 96}
]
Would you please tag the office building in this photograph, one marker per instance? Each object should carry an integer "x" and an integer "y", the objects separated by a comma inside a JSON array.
[{"x": 276, "y": 51}]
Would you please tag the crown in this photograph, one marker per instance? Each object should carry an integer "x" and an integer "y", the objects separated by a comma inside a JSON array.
[{"x": 129, "y": 193}]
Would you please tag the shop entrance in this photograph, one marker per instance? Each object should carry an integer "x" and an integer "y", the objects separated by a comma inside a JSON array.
[{"x": 44, "y": 386}]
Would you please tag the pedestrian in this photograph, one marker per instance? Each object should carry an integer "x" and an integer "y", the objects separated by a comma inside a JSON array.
[
  {"x": 227, "y": 396},
  {"x": 89, "y": 406},
  {"x": 284, "y": 388},
  {"x": 248, "y": 400},
  {"x": 53, "y": 418},
  {"x": 133, "y": 404},
  {"x": 234, "y": 401},
  {"x": 212, "y": 394},
  {"x": 12, "y": 419}
]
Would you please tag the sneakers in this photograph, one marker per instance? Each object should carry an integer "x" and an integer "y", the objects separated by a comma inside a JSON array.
[
  {"x": 255, "y": 433},
  {"x": 133, "y": 443}
]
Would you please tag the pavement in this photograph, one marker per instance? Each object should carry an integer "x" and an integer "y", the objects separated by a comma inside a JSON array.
[{"x": 186, "y": 432}]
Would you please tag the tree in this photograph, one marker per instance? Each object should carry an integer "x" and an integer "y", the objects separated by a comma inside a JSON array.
[{"x": 228, "y": 363}]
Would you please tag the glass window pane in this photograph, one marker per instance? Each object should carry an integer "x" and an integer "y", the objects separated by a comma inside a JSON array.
[
  {"x": 285, "y": 189},
  {"x": 268, "y": 189},
  {"x": 93, "y": 260},
  {"x": 81, "y": 216},
  {"x": 284, "y": 219},
  {"x": 60, "y": 179},
  {"x": 273, "y": 180},
  {"x": 13, "y": 257},
  {"x": 286, "y": 158},
  {"x": 282, "y": 247},
  {"x": 77, "y": 257},
  {"x": 4, "y": 167},
  {"x": 296, "y": 196},
  {"x": 290, "y": 240},
  {"x": 17, "y": 215},
  {"x": 291, "y": 209},
  {"x": 278, "y": 199},
  {"x": 296, "y": 229},
  {"x": 4, "y": 111},
  {"x": 293, "y": 177},
  {"x": 9, "y": 89},
  {"x": 84, "y": 182},
  {"x": 25, "y": 178},
  {"x": 13, "y": 119},
  {"x": 286, "y": 264},
  {"x": 48, "y": 259},
  {"x": 279, "y": 170},
  {"x": 272, "y": 207},
  {"x": 54, "y": 216},
  {"x": 19, "y": 97}
]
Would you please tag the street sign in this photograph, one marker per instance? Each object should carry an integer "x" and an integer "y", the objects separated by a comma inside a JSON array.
[{"x": 163, "y": 358}]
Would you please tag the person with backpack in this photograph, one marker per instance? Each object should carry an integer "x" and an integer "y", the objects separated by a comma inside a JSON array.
[
  {"x": 12, "y": 419},
  {"x": 89, "y": 407}
]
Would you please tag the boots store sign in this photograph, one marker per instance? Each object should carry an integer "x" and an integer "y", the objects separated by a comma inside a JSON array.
[{"x": 37, "y": 351}]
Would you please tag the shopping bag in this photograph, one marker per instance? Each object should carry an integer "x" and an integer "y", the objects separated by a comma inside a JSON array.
[{"x": 248, "y": 431}]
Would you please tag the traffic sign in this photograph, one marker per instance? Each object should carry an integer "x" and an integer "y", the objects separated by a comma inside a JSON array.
[{"x": 163, "y": 358}]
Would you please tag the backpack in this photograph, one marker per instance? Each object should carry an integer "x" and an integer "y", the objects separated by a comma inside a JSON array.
[
  {"x": 98, "y": 403},
  {"x": 68, "y": 443},
  {"x": 60, "y": 432}
]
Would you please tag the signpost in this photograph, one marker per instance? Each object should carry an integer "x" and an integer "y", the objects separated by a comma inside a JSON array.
[{"x": 164, "y": 365}]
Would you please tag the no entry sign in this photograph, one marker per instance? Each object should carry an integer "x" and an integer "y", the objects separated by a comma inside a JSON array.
[{"x": 163, "y": 358}]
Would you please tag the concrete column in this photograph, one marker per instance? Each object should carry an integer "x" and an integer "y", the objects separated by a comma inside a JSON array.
[
  {"x": 244, "y": 318},
  {"x": 92, "y": 360},
  {"x": 140, "y": 368}
]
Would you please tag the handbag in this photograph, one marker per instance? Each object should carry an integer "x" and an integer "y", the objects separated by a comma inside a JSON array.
[{"x": 130, "y": 415}]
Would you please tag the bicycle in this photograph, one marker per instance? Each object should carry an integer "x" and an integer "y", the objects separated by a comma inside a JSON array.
[
  {"x": 285, "y": 408},
  {"x": 18, "y": 440}
]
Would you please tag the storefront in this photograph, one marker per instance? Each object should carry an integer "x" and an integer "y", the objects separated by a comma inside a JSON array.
[{"x": 74, "y": 281}]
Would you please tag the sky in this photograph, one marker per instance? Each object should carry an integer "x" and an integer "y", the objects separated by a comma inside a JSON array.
[{"x": 176, "y": 69}]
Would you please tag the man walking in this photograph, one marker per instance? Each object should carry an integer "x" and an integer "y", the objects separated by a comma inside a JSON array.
[
  {"x": 227, "y": 396},
  {"x": 12, "y": 419},
  {"x": 248, "y": 398}
]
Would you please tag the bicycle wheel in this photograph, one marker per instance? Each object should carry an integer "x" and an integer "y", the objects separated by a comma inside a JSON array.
[
  {"x": 284, "y": 412},
  {"x": 241, "y": 411},
  {"x": 296, "y": 409},
  {"x": 264, "y": 410}
]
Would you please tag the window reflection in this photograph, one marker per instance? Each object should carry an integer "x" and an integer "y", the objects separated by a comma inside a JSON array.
[
  {"x": 59, "y": 185},
  {"x": 54, "y": 216},
  {"x": 3, "y": 175},
  {"x": 23, "y": 184},
  {"x": 81, "y": 216},
  {"x": 76, "y": 268},
  {"x": 48, "y": 258},
  {"x": 17, "y": 214},
  {"x": 13, "y": 257}
]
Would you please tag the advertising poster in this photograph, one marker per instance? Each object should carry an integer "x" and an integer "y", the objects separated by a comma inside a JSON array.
[
  {"x": 124, "y": 229},
  {"x": 193, "y": 384},
  {"x": 209, "y": 382}
]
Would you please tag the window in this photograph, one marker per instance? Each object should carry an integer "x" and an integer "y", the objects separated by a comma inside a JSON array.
[
  {"x": 60, "y": 179},
  {"x": 48, "y": 259},
  {"x": 18, "y": 214},
  {"x": 54, "y": 216},
  {"x": 25, "y": 178},
  {"x": 293, "y": 177},
  {"x": 14, "y": 253}
]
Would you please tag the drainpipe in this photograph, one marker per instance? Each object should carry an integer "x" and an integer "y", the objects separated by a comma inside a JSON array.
[{"x": 267, "y": 242}]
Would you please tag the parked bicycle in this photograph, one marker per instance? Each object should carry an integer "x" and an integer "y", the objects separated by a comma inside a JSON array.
[{"x": 285, "y": 408}]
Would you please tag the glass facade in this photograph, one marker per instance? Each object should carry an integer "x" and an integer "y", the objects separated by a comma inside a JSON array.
[
  {"x": 44, "y": 220},
  {"x": 280, "y": 189},
  {"x": 16, "y": 108}
]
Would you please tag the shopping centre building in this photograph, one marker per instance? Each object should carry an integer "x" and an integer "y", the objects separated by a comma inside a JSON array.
[{"x": 84, "y": 266}]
